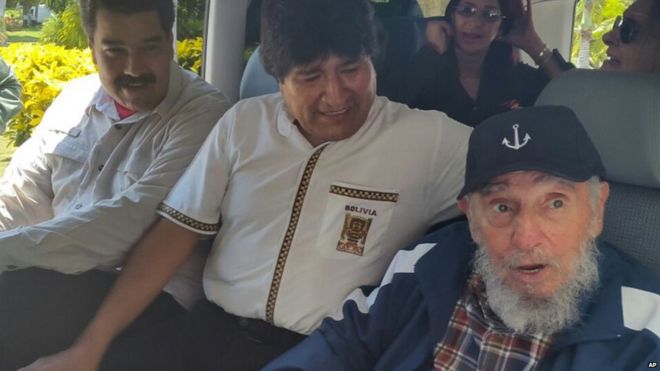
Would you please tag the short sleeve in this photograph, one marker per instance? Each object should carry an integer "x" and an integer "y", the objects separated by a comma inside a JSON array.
[{"x": 194, "y": 202}]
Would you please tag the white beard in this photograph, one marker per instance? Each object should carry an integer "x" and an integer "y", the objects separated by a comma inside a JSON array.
[{"x": 530, "y": 315}]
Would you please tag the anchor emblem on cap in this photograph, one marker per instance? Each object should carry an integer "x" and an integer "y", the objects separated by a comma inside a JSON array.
[{"x": 516, "y": 145}]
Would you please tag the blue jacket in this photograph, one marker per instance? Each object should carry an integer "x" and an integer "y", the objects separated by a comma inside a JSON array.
[{"x": 398, "y": 327}]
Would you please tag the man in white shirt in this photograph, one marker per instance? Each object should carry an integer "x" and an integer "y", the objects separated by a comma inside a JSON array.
[
  {"x": 85, "y": 187},
  {"x": 309, "y": 192}
]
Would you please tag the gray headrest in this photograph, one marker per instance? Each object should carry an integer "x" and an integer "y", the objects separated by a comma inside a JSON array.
[
  {"x": 621, "y": 113},
  {"x": 256, "y": 81}
]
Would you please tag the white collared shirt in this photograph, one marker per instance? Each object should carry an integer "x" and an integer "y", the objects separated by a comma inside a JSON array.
[
  {"x": 82, "y": 190},
  {"x": 303, "y": 226}
]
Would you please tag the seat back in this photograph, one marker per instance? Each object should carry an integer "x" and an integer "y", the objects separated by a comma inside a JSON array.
[
  {"x": 256, "y": 81},
  {"x": 401, "y": 38},
  {"x": 621, "y": 113}
]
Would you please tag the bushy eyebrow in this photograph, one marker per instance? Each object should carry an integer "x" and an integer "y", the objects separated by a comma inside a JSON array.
[
  {"x": 492, "y": 188},
  {"x": 545, "y": 178}
]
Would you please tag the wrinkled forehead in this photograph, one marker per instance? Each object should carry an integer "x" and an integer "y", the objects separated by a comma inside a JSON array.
[{"x": 506, "y": 181}]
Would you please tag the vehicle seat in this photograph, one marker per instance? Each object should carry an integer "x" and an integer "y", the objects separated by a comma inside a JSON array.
[
  {"x": 621, "y": 113},
  {"x": 400, "y": 40},
  {"x": 256, "y": 81}
]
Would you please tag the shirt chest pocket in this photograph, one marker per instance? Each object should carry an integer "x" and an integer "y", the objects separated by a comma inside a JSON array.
[
  {"x": 355, "y": 220},
  {"x": 134, "y": 166},
  {"x": 67, "y": 144}
]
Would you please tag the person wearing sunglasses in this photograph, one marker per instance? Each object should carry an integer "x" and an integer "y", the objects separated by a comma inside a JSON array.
[
  {"x": 470, "y": 66},
  {"x": 633, "y": 44}
]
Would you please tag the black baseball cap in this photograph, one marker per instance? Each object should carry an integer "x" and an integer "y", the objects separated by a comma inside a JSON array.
[{"x": 549, "y": 139}]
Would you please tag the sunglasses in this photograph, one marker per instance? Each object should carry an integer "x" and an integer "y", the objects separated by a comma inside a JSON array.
[
  {"x": 488, "y": 15},
  {"x": 627, "y": 27}
]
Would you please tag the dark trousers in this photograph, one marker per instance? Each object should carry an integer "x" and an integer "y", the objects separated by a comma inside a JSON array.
[
  {"x": 208, "y": 338},
  {"x": 42, "y": 312}
]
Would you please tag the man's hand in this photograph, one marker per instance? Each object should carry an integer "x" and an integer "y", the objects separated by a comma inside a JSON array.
[
  {"x": 438, "y": 35},
  {"x": 72, "y": 359}
]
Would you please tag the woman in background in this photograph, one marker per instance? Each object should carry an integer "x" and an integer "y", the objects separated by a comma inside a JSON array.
[
  {"x": 470, "y": 66},
  {"x": 633, "y": 44}
]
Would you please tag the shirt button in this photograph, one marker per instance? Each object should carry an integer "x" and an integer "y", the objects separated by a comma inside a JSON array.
[
  {"x": 78, "y": 206},
  {"x": 100, "y": 167}
]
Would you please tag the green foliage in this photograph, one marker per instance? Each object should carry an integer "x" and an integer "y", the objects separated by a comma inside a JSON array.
[
  {"x": 24, "y": 35},
  {"x": 65, "y": 28},
  {"x": 249, "y": 50},
  {"x": 13, "y": 19},
  {"x": 58, "y": 6},
  {"x": 433, "y": 8},
  {"x": 190, "y": 19},
  {"x": 42, "y": 70},
  {"x": 602, "y": 17},
  {"x": 189, "y": 54},
  {"x": 189, "y": 27}
]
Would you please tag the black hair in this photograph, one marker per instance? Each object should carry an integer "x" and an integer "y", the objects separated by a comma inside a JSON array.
[
  {"x": 511, "y": 10},
  {"x": 297, "y": 32},
  {"x": 89, "y": 8}
]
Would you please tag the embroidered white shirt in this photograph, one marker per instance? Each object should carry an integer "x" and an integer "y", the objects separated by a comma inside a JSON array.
[
  {"x": 302, "y": 226},
  {"x": 81, "y": 191}
]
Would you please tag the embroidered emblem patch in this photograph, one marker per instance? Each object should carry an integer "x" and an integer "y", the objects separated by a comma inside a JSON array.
[
  {"x": 516, "y": 139},
  {"x": 354, "y": 234}
]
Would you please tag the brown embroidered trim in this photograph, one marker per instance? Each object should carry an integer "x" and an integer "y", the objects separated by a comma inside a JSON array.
[
  {"x": 288, "y": 237},
  {"x": 184, "y": 219},
  {"x": 364, "y": 195}
]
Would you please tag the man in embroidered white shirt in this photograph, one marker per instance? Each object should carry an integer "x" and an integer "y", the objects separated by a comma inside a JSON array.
[{"x": 81, "y": 191}]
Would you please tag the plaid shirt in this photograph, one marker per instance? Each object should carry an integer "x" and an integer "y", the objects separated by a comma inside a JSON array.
[{"x": 476, "y": 339}]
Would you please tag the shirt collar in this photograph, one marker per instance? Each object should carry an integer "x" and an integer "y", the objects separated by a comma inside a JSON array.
[
  {"x": 476, "y": 290},
  {"x": 285, "y": 122}
]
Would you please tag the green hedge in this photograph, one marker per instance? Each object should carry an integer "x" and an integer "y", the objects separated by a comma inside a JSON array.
[{"x": 42, "y": 69}]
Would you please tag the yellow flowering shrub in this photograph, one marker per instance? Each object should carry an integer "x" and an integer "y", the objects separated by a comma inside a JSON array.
[
  {"x": 42, "y": 70},
  {"x": 189, "y": 54}
]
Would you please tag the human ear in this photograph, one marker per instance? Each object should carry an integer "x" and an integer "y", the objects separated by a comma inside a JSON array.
[{"x": 464, "y": 205}]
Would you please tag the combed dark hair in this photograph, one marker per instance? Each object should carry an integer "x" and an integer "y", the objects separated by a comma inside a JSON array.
[
  {"x": 511, "y": 10},
  {"x": 89, "y": 8},
  {"x": 297, "y": 32}
]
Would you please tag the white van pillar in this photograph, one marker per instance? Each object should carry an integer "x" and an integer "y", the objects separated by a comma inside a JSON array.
[{"x": 224, "y": 44}]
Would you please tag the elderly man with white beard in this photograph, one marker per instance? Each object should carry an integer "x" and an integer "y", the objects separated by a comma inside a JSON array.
[{"x": 524, "y": 285}]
